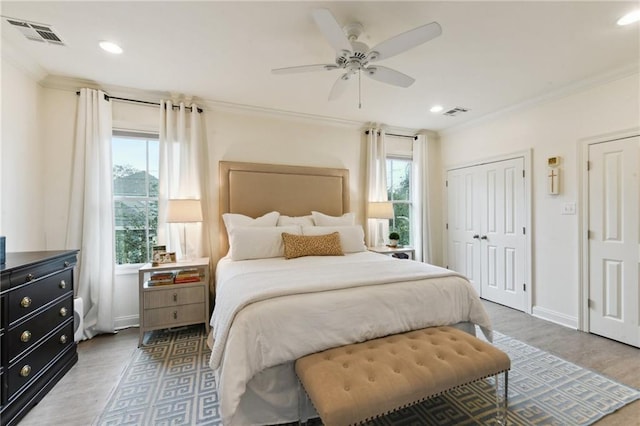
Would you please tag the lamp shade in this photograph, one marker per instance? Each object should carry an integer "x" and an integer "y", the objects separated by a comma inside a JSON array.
[
  {"x": 381, "y": 210},
  {"x": 183, "y": 211}
]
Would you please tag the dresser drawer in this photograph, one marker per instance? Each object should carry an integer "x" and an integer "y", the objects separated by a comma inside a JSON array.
[
  {"x": 174, "y": 316},
  {"x": 32, "y": 331},
  {"x": 33, "y": 272},
  {"x": 173, "y": 296},
  {"x": 26, "y": 369},
  {"x": 26, "y": 299}
]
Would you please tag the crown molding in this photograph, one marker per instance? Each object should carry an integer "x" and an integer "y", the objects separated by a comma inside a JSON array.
[{"x": 576, "y": 87}]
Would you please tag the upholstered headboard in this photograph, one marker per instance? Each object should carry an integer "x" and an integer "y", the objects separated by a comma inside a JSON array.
[{"x": 254, "y": 189}]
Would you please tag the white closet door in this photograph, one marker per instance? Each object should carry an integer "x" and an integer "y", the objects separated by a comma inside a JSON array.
[
  {"x": 614, "y": 238},
  {"x": 486, "y": 219}
]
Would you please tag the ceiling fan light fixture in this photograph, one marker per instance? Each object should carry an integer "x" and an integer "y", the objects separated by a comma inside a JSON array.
[
  {"x": 436, "y": 108},
  {"x": 111, "y": 47},
  {"x": 629, "y": 18}
]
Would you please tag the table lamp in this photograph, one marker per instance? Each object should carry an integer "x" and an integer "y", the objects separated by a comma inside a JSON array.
[
  {"x": 380, "y": 210},
  {"x": 184, "y": 211}
]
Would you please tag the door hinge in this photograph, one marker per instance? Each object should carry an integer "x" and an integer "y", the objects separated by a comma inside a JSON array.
[
  {"x": 446, "y": 183},
  {"x": 588, "y": 165},
  {"x": 524, "y": 287},
  {"x": 589, "y": 234},
  {"x": 446, "y": 226},
  {"x": 524, "y": 231},
  {"x": 523, "y": 173},
  {"x": 589, "y": 303}
]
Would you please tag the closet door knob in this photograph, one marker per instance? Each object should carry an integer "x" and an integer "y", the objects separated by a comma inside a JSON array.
[
  {"x": 484, "y": 237},
  {"x": 476, "y": 236}
]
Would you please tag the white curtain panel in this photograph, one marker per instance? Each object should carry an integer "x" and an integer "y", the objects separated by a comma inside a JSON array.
[
  {"x": 183, "y": 174},
  {"x": 376, "y": 180},
  {"x": 91, "y": 222},
  {"x": 421, "y": 204}
]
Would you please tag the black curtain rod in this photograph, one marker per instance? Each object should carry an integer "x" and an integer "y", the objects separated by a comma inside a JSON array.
[
  {"x": 107, "y": 97},
  {"x": 415, "y": 138}
]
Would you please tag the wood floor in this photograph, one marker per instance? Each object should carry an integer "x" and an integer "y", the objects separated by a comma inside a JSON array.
[{"x": 81, "y": 395}]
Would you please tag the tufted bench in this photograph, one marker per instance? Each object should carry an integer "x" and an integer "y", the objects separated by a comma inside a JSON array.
[{"x": 355, "y": 383}]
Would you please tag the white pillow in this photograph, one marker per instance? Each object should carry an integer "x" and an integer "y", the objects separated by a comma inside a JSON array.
[
  {"x": 321, "y": 219},
  {"x": 258, "y": 242},
  {"x": 351, "y": 237},
  {"x": 233, "y": 220},
  {"x": 295, "y": 220}
]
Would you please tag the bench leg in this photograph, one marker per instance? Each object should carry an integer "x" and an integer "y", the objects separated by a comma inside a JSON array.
[{"x": 502, "y": 397}]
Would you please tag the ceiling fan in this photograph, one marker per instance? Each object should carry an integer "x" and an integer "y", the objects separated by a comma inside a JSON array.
[{"x": 353, "y": 56}]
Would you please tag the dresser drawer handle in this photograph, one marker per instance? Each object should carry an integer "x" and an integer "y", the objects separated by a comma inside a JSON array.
[
  {"x": 63, "y": 284},
  {"x": 175, "y": 297},
  {"x": 29, "y": 277},
  {"x": 63, "y": 312},
  {"x": 63, "y": 339},
  {"x": 66, "y": 264},
  {"x": 175, "y": 314},
  {"x": 25, "y": 336},
  {"x": 25, "y": 371},
  {"x": 25, "y": 302}
]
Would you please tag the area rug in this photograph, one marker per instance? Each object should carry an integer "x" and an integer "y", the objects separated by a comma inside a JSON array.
[{"x": 168, "y": 382}]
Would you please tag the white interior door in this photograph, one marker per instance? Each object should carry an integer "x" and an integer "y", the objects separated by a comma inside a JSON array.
[
  {"x": 614, "y": 238},
  {"x": 486, "y": 226},
  {"x": 464, "y": 224}
]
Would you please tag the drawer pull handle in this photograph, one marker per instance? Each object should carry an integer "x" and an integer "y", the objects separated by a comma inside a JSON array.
[
  {"x": 25, "y": 302},
  {"x": 29, "y": 277},
  {"x": 66, "y": 264},
  {"x": 175, "y": 297},
  {"x": 175, "y": 314},
  {"x": 63, "y": 284},
  {"x": 63, "y": 312},
  {"x": 63, "y": 339},
  {"x": 25, "y": 371},
  {"x": 25, "y": 336}
]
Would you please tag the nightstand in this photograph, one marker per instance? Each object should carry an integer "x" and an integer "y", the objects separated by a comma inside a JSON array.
[
  {"x": 393, "y": 250},
  {"x": 173, "y": 305}
]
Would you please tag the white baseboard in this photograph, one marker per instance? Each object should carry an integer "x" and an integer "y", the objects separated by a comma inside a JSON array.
[
  {"x": 126, "y": 322},
  {"x": 555, "y": 317}
]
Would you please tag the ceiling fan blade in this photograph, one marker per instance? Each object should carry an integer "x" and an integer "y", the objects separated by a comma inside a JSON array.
[
  {"x": 331, "y": 29},
  {"x": 339, "y": 87},
  {"x": 405, "y": 41},
  {"x": 304, "y": 68},
  {"x": 389, "y": 76}
]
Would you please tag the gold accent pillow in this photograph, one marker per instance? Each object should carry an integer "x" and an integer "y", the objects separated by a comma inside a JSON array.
[{"x": 311, "y": 245}]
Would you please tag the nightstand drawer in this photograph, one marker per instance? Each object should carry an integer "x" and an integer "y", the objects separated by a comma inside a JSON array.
[
  {"x": 173, "y": 296},
  {"x": 174, "y": 316}
]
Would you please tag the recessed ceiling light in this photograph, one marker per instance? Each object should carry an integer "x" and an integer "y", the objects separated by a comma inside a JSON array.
[
  {"x": 111, "y": 47},
  {"x": 630, "y": 18},
  {"x": 436, "y": 108}
]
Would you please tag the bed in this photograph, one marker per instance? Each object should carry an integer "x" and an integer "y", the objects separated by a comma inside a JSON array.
[{"x": 274, "y": 303}]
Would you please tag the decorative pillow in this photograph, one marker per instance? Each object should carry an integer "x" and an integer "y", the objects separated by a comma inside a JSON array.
[
  {"x": 351, "y": 237},
  {"x": 317, "y": 245},
  {"x": 232, "y": 220},
  {"x": 321, "y": 219},
  {"x": 295, "y": 220},
  {"x": 258, "y": 242}
]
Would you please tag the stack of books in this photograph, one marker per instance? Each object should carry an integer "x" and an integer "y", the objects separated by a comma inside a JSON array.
[
  {"x": 187, "y": 276},
  {"x": 161, "y": 278}
]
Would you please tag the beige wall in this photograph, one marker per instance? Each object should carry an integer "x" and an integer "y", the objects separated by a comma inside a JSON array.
[{"x": 551, "y": 129}]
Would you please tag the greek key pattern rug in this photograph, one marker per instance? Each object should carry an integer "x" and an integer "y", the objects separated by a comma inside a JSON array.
[{"x": 169, "y": 382}]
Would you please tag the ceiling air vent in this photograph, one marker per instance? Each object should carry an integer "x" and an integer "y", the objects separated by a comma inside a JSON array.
[
  {"x": 455, "y": 111},
  {"x": 42, "y": 33}
]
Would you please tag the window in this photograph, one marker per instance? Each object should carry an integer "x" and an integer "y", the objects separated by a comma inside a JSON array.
[
  {"x": 135, "y": 158},
  {"x": 399, "y": 193}
]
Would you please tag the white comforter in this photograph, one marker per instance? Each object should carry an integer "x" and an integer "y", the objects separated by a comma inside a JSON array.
[{"x": 270, "y": 312}]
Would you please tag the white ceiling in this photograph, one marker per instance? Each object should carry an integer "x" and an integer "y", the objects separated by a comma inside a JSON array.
[{"x": 491, "y": 56}]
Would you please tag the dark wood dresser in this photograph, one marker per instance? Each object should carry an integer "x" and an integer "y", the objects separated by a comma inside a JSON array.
[{"x": 36, "y": 333}]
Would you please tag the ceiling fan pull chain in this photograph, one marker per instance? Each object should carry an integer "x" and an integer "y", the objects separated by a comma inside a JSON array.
[{"x": 359, "y": 89}]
